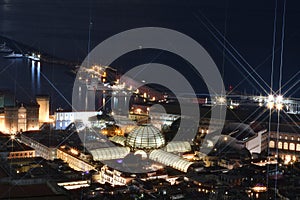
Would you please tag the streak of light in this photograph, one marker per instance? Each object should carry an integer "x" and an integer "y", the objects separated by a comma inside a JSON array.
[{"x": 234, "y": 50}]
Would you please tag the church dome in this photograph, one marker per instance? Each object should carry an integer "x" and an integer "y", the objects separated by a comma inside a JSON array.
[{"x": 145, "y": 137}]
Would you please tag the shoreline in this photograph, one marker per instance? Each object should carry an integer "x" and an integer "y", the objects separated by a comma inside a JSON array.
[{"x": 46, "y": 57}]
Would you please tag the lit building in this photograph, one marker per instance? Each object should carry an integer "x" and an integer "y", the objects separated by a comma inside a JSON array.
[
  {"x": 20, "y": 118},
  {"x": 170, "y": 159},
  {"x": 11, "y": 149},
  {"x": 147, "y": 142},
  {"x": 64, "y": 119},
  {"x": 44, "y": 108},
  {"x": 145, "y": 138},
  {"x": 111, "y": 176},
  {"x": 245, "y": 136},
  {"x": 75, "y": 159},
  {"x": 41, "y": 150},
  {"x": 287, "y": 141}
]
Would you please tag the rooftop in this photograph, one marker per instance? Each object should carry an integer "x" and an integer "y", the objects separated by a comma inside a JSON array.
[{"x": 145, "y": 137}]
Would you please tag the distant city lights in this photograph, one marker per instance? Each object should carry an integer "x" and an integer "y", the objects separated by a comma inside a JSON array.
[{"x": 275, "y": 102}]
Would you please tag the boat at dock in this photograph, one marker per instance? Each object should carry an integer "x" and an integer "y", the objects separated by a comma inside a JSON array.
[
  {"x": 14, "y": 55},
  {"x": 34, "y": 57}
]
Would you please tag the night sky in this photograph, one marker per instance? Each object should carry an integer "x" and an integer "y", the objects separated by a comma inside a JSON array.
[{"x": 61, "y": 28}]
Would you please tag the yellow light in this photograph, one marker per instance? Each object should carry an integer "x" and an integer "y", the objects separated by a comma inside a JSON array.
[
  {"x": 118, "y": 131},
  {"x": 270, "y": 105},
  {"x": 74, "y": 151},
  {"x": 259, "y": 188},
  {"x": 188, "y": 156},
  {"x": 270, "y": 98},
  {"x": 279, "y": 106},
  {"x": 138, "y": 111},
  {"x": 288, "y": 158},
  {"x": 104, "y": 132},
  {"x": 221, "y": 100},
  {"x": 12, "y": 137}
]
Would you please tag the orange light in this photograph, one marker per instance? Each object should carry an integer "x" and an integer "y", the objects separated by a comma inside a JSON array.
[
  {"x": 270, "y": 104},
  {"x": 259, "y": 188},
  {"x": 138, "y": 111},
  {"x": 104, "y": 132},
  {"x": 74, "y": 151}
]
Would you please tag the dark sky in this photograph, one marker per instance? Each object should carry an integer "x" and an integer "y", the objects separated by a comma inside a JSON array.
[{"x": 60, "y": 28}]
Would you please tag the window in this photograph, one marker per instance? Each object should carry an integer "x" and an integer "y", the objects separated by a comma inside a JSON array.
[
  {"x": 292, "y": 146},
  {"x": 285, "y": 145},
  {"x": 272, "y": 144},
  {"x": 298, "y": 147},
  {"x": 279, "y": 145}
]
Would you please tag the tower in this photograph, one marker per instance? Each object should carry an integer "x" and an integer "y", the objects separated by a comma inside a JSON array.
[
  {"x": 43, "y": 101},
  {"x": 22, "y": 119}
]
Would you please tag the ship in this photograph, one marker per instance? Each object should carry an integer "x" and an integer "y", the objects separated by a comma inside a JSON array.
[
  {"x": 14, "y": 55},
  {"x": 34, "y": 57}
]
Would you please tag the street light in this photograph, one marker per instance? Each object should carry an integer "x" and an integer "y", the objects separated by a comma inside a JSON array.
[{"x": 276, "y": 102}]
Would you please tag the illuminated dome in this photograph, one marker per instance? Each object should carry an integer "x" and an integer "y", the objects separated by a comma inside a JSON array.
[{"x": 145, "y": 137}]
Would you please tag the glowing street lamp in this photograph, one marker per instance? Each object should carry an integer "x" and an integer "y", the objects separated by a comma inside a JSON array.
[
  {"x": 221, "y": 100},
  {"x": 275, "y": 102},
  {"x": 279, "y": 99},
  {"x": 270, "y": 98},
  {"x": 279, "y": 106},
  {"x": 270, "y": 104}
]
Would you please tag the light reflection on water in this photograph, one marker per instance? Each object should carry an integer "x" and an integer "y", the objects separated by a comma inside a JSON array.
[{"x": 23, "y": 77}]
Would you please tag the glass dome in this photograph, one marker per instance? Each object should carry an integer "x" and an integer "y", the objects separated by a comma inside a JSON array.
[{"x": 145, "y": 137}]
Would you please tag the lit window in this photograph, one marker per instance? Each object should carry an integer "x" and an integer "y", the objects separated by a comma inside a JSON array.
[
  {"x": 285, "y": 145},
  {"x": 292, "y": 138},
  {"x": 285, "y": 137},
  {"x": 292, "y": 146},
  {"x": 279, "y": 145},
  {"x": 272, "y": 144},
  {"x": 298, "y": 147}
]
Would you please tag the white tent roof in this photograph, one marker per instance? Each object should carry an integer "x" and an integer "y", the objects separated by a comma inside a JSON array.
[
  {"x": 170, "y": 159},
  {"x": 110, "y": 153}
]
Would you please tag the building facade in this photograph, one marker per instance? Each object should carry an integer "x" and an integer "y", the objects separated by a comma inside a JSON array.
[
  {"x": 287, "y": 141},
  {"x": 20, "y": 118}
]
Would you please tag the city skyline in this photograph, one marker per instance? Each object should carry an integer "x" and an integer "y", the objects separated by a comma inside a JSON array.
[{"x": 149, "y": 100}]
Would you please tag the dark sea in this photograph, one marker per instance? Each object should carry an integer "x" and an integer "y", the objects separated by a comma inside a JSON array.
[{"x": 65, "y": 29}]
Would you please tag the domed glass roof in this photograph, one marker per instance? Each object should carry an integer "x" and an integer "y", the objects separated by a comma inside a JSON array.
[{"x": 145, "y": 137}]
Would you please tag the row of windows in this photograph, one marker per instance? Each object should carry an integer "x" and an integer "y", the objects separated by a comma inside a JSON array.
[
  {"x": 30, "y": 154},
  {"x": 286, "y": 146},
  {"x": 286, "y": 137}
]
